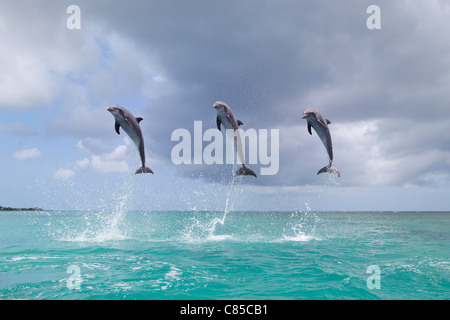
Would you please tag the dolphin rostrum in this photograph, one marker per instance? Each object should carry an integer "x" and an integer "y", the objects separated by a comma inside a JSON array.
[
  {"x": 320, "y": 125},
  {"x": 130, "y": 125},
  {"x": 226, "y": 118}
]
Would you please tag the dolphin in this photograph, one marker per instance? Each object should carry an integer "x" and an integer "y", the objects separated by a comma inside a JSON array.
[
  {"x": 320, "y": 125},
  {"x": 226, "y": 118},
  {"x": 130, "y": 125}
]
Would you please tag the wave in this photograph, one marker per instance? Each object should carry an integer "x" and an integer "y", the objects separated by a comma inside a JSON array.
[
  {"x": 99, "y": 237},
  {"x": 299, "y": 238}
]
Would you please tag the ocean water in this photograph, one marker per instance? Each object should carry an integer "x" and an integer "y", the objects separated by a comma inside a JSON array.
[{"x": 121, "y": 254}]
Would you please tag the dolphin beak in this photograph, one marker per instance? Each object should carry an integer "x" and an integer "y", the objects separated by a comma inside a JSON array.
[
  {"x": 109, "y": 109},
  {"x": 304, "y": 116},
  {"x": 215, "y": 106}
]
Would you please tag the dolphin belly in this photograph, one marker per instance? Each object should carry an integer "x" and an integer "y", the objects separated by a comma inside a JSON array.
[
  {"x": 324, "y": 135},
  {"x": 134, "y": 136}
]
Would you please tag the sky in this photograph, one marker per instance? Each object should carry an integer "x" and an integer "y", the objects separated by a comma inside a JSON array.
[{"x": 385, "y": 91}]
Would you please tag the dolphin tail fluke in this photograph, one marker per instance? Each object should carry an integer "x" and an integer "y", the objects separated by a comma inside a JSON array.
[
  {"x": 330, "y": 169},
  {"x": 144, "y": 169},
  {"x": 245, "y": 171}
]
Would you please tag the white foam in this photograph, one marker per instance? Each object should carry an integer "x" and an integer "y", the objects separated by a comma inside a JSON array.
[
  {"x": 20, "y": 258},
  {"x": 189, "y": 238},
  {"x": 299, "y": 238},
  {"x": 173, "y": 274},
  {"x": 106, "y": 235},
  {"x": 123, "y": 286},
  {"x": 219, "y": 237}
]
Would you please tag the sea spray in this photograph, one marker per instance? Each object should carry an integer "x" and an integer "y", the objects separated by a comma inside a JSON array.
[
  {"x": 201, "y": 230},
  {"x": 103, "y": 221},
  {"x": 112, "y": 227},
  {"x": 302, "y": 224},
  {"x": 229, "y": 206}
]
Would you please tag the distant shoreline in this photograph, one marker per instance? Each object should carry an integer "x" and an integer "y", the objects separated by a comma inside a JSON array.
[{"x": 20, "y": 209}]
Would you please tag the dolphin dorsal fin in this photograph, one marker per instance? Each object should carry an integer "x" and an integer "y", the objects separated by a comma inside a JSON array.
[
  {"x": 139, "y": 119},
  {"x": 117, "y": 126},
  {"x": 240, "y": 123}
]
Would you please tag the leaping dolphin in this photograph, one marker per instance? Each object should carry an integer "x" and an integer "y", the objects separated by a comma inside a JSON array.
[
  {"x": 130, "y": 125},
  {"x": 226, "y": 118},
  {"x": 320, "y": 125}
]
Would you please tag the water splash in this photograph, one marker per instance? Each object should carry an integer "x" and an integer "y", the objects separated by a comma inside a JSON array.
[
  {"x": 302, "y": 225},
  {"x": 200, "y": 230},
  {"x": 112, "y": 227},
  {"x": 229, "y": 206},
  {"x": 104, "y": 224}
]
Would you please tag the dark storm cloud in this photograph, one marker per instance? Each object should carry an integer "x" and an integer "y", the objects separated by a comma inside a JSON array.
[{"x": 271, "y": 60}]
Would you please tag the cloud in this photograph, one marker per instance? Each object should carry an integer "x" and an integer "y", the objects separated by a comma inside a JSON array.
[
  {"x": 27, "y": 154},
  {"x": 124, "y": 72},
  {"x": 385, "y": 91},
  {"x": 64, "y": 174},
  {"x": 81, "y": 122},
  {"x": 83, "y": 164},
  {"x": 92, "y": 145},
  {"x": 107, "y": 162},
  {"x": 33, "y": 69},
  {"x": 18, "y": 129}
]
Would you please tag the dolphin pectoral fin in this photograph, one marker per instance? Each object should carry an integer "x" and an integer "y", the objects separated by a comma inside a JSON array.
[
  {"x": 240, "y": 123},
  {"x": 329, "y": 169},
  {"x": 218, "y": 122},
  {"x": 139, "y": 119},
  {"x": 245, "y": 171},
  {"x": 309, "y": 128},
  {"x": 144, "y": 169},
  {"x": 117, "y": 126},
  {"x": 328, "y": 121}
]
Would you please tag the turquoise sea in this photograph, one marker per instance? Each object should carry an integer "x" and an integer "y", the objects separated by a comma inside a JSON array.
[{"x": 120, "y": 254}]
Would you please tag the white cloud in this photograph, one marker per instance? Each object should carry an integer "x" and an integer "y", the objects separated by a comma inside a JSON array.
[
  {"x": 83, "y": 122},
  {"x": 26, "y": 83},
  {"x": 92, "y": 145},
  {"x": 27, "y": 154},
  {"x": 32, "y": 68},
  {"x": 354, "y": 76},
  {"x": 64, "y": 174},
  {"x": 83, "y": 164},
  {"x": 107, "y": 162}
]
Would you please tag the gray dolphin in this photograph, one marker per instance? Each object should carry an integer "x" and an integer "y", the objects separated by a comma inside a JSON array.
[
  {"x": 320, "y": 125},
  {"x": 226, "y": 118},
  {"x": 130, "y": 125}
]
